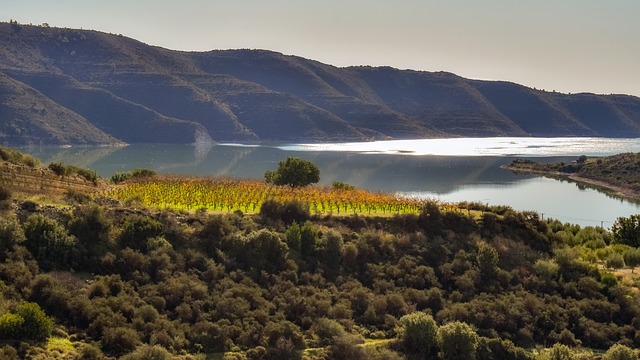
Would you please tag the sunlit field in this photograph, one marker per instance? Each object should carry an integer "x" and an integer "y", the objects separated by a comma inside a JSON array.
[{"x": 228, "y": 195}]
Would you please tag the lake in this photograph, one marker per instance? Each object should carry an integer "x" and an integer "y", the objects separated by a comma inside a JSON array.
[{"x": 450, "y": 170}]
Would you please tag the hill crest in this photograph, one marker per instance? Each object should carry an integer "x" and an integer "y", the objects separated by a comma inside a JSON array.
[{"x": 109, "y": 89}]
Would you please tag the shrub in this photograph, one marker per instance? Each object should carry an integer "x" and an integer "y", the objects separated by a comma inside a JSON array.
[
  {"x": 148, "y": 352},
  {"x": 326, "y": 331},
  {"x": 457, "y": 340},
  {"x": 137, "y": 230},
  {"x": 288, "y": 212},
  {"x": 11, "y": 233},
  {"x": 342, "y": 186},
  {"x": 620, "y": 352},
  {"x": 418, "y": 332},
  {"x": 49, "y": 242},
  {"x": 119, "y": 341},
  {"x": 557, "y": 352},
  {"x": 135, "y": 174},
  {"x": 29, "y": 323},
  {"x": 16, "y": 157}
]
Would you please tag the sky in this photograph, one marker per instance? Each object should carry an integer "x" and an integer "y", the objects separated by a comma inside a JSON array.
[{"x": 558, "y": 45}]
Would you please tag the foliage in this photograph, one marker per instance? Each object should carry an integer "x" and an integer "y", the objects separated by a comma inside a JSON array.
[
  {"x": 148, "y": 352},
  {"x": 418, "y": 332},
  {"x": 119, "y": 177},
  {"x": 620, "y": 352},
  {"x": 626, "y": 230},
  {"x": 11, "y": 234},
  {"x": 342, "y": 186},
  {"x": 16, "y": 157},
  {"x": 137, "y": 230},
  {"x": 487, "y": 259},
  {"x": 294, "y": 172},
  {"x": 615, "y": 261},
  {"x": 49, "y": 242},
  {"x": 28, "y": 323},
  {"x": 64, "y": 170},
  {"x": 457, "y": 340},
  {"x": 255, "y": 287},
  {"x": 557, "y": 352}
]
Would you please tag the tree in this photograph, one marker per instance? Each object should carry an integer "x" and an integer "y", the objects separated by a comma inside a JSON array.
[
  {"x": 626, "y": 230},
  {"x": 294, "y": 172},
  {"x": 418, "y": 332},
  {"x": 457, "y": 341},
  {"x": 487, "y": 259}
]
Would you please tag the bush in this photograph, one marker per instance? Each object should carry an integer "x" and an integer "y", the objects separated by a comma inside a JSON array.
[
  {"x": 119, "y": 341},
  {"x": 287, "y": 212},
  {"x": 620, "y": 352},
  {"x": 135, "y": 174},
  {"x": 137, "y": 230},
  {"x": 11, "y": 234},
  {"x": 16, "y": 157},
  {"x": 457, "y": 340},
  {"x": 29, "y": 323},
  {"x": 342, "y": 186},
  {"x": 148, "y": 352},
  {"x": 326, "y": 331},
  {"x": 557, "y": 352},
  {"x": 49, "y": 242},
  {"x": 418, "y": 332}
]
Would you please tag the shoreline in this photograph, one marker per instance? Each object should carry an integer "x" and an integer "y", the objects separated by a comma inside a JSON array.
[{"x": 613, "y": 189}]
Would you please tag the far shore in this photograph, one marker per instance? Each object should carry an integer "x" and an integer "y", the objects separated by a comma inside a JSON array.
[{"x": 610, "y": 188}]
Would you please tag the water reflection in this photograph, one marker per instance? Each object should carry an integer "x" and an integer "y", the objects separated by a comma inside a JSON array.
[{"x": 448, "y": 178}]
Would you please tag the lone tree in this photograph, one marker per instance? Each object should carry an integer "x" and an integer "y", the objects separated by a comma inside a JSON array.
[{"x": 294, "y": 172}]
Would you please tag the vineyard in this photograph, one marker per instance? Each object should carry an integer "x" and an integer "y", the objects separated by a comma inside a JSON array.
[{"x": 228, "y": 195}]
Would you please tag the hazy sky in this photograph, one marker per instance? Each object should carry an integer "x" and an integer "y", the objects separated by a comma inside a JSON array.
[{"x": 562, "y": 45}]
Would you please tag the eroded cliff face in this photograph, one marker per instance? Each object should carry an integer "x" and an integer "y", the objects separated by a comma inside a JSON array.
[{"x": 66, "y": 86}]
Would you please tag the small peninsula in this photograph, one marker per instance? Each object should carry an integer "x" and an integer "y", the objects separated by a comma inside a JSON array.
[{"x": 618, "y": 173}]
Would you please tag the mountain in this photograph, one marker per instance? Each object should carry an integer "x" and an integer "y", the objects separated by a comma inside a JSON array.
[{"x": 69, "y": 86}]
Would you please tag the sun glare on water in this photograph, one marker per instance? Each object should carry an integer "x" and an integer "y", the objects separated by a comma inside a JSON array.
[{"x": 500, "y": 146}]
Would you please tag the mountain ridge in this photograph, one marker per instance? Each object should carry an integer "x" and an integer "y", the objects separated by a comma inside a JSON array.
[{"x": 110, "y": 89}]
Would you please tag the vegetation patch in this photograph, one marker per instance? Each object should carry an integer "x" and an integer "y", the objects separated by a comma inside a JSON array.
[{"x": 248, "y": 196}]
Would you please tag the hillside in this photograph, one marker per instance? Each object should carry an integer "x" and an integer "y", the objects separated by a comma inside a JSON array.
[
  {"x": 68, "y": 86},
  {"x": 619, "y": 173},
  {"x": 89, "y": 277}
]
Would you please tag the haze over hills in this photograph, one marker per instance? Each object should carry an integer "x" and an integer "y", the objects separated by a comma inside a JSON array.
[{"x": 67, "y": 86}]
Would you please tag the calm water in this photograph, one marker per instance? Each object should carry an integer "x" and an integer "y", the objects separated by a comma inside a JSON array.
[{"x": 448, "y": 170}]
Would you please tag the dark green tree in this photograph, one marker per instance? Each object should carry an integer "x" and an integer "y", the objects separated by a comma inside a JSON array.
[
  {"x": 626, "y": 230},
  {"x": 294, "y": 172},
  {"x": 487, "y": 259}
]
